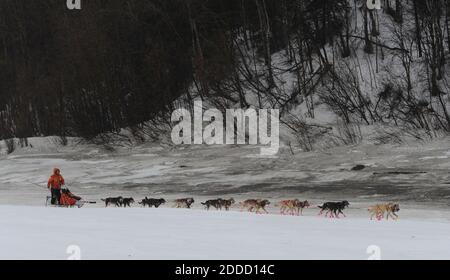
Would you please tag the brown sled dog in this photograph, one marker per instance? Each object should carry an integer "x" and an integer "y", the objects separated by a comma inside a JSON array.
[
  {"x": 184, "y": 203},
  {"x": 293, "y": 207},
  {"x": 380, "y": 210},
  {"x": 255, "y": 204}
]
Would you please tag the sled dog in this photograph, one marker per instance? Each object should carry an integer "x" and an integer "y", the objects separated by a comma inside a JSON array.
[
  {"x": 293, "y": 207},
  {"x": 335, "y": 208},
  {"x": 227, "y": 203},
  {"x": 255, "y": 204},
  {"x": 150, "y": 202},
  {"x": 216, "y": 203},
  {"x": 388, "y": 209},
  {"x": 184, "y": 203},
  {"x": 117, "y": 201},
  {"x": 126, "y": 202}
]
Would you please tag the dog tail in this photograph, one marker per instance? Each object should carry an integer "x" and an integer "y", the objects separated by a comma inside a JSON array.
[
  {"x": 321, "y": 207},
  {"x": 203, "y": 203},
  {"x": 103, "y": 199}
]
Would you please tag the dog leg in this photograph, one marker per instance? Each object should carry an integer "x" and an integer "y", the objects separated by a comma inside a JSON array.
[
  {"x": 336, "y": 214},
  {"x": 379, "y": 216},
  {"x": 392, "y": 216},
  {"x": 331, "y": 215}
]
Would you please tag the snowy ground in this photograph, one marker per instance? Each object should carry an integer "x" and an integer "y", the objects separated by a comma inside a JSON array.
[
  {"x": 416, "y": 173},
  {"x": 417, "y": 176},
  {"x": 47, "y": 233}
]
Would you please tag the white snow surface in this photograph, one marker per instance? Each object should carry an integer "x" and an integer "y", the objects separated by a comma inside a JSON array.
[{"x": 138, "y": 233}]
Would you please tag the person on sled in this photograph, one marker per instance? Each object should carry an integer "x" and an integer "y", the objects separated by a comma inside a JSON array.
[
  {"x": 55, "y": 184},
  {"x": 68, "y": 199}
]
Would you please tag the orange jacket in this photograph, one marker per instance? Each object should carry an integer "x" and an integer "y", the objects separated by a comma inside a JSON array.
[{"x": 56, "y": 180}]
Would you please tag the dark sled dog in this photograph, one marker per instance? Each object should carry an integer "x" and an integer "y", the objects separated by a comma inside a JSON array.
[
  {"x": 117, "y": 201},
  {"x": 126, "y": 202},
  {"x": 335, "y": 208},
  {"x": 227, "y": 203},
  {"x": 216, "y": 203},
  {"x": 150, "y": 202}
]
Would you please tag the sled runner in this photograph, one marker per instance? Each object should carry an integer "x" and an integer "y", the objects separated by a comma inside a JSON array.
[{"x": 68, "y": 200}]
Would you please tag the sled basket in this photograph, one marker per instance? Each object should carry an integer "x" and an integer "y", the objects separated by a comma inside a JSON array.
[
  {"x": 68, "y": 200},
  {"x": 48, "y": 203}
]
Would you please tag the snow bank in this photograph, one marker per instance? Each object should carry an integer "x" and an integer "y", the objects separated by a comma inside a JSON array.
[{"x": 138, "y": 233}]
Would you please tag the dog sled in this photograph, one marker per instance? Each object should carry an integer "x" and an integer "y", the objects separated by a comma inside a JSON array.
[{"x": 68, "y": 200}]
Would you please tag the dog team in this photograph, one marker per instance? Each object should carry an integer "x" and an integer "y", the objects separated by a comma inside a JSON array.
[{"x": 258, "y": 206}]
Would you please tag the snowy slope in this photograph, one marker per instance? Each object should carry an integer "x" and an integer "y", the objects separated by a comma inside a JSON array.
[{"x": 47, "y": 233}]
